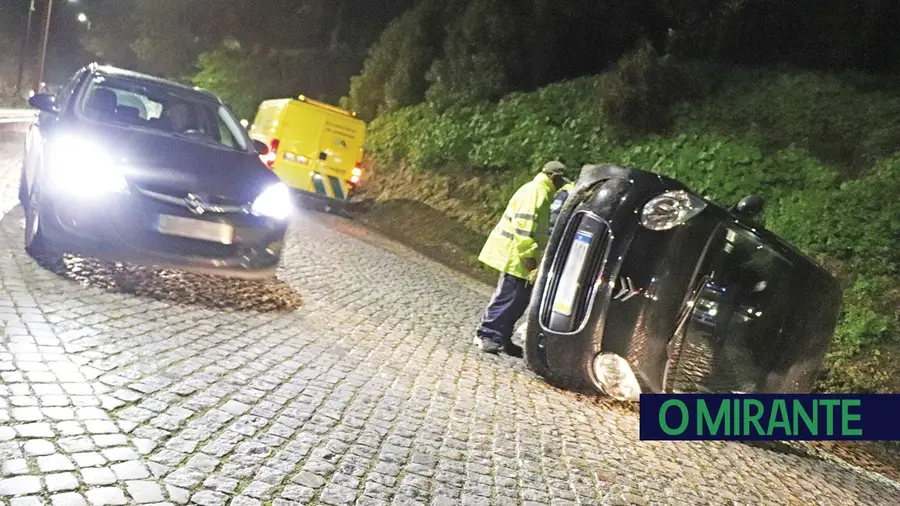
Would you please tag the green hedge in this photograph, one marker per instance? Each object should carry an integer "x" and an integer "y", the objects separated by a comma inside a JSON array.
[
  {"x": 790, "y": 136},
  {"x": 848, "y": 120}
]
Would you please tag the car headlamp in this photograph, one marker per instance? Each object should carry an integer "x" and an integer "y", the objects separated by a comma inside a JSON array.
[
  {"x": 274, "y": 202},
  {"x": 84, "y": 169},
  {"x": 615, "y": 377},
  {"x": 670, "y": 209}
]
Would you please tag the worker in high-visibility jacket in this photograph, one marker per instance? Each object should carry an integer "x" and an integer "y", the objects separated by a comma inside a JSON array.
[{"x": 514, "y": 248}]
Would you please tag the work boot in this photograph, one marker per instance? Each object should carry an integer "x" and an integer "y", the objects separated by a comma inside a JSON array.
[{"x": 486, "y": 345}]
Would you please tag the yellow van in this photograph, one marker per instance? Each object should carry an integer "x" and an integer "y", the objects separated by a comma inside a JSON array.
[{"x": 313, "y": 147}]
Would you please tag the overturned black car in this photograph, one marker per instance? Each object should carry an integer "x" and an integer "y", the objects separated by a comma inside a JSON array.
[{"x": 646, "y": 287}]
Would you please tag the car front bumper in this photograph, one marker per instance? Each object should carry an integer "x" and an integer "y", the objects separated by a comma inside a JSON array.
[{"x": 124, "y": 227}]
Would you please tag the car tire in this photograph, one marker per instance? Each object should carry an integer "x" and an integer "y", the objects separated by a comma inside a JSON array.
[{"x": 36, "y": 243}]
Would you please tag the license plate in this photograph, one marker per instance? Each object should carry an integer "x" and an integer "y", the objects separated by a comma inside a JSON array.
[
  {"x": 568, "y": 282},
  {"x": 222, "y": 233}
]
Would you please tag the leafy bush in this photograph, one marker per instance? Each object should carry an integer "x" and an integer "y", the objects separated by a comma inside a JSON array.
[
  {"x": 644, "y": 86},
  {"x": 866, "y": 345},
  {"x": 236, "y": 76},
  {"x": 868, "y": 317},
  {"x": 479, "y": 51},
  {"x": 393, "y": 74},
  {"x": 389, "y": 138},
  {"x": 855, "y": 221},
  {"x": 846, "y": 120}
]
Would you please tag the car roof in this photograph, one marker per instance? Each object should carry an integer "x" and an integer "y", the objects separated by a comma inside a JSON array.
[{"x": 110, "y": 71}]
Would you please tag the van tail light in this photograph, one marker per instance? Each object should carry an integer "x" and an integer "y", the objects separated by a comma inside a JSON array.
[
  {"x": 357, "y": 172},
  {"x": 270, "y": 157}
]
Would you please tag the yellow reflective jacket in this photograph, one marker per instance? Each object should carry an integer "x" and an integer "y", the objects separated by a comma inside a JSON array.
[{"x": 523, "y": 230}]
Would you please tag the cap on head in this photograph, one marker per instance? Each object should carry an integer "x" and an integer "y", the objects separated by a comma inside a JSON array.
[{"x": 554, "y": 168}]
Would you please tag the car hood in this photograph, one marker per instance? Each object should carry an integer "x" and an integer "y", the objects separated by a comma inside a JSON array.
[{"x": 175, "y": 165}]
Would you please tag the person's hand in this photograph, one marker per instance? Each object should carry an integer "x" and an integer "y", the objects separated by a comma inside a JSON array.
[{"x": 530, "y": 264}]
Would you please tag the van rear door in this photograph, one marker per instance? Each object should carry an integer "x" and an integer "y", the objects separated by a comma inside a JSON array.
[
  {"x": 319, "y": 149},
  {"x": 299, "y": 146},
  {"x": 340, "y": 148}
]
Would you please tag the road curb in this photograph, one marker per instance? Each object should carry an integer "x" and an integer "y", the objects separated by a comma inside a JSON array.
[{"x": 14, "y": 125}]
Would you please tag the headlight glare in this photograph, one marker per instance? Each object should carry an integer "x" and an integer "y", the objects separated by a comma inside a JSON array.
[
  {"x": 274, "y": 202},
  {"x": 671, "y": 209},
  {"x": 83, "y": 168}
]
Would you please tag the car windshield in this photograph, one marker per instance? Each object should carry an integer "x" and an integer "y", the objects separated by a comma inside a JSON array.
[{"x": 161, "y": 108}]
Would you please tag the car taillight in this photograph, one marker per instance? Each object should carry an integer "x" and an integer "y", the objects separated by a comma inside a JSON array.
[{"x": 270, "y": 157}]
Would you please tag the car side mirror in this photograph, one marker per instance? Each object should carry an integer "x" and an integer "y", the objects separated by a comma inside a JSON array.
[
  {"x": 749, "y": 207},
  {"x": 45, "y": 102},
  {"x": 260, "y": 147}
]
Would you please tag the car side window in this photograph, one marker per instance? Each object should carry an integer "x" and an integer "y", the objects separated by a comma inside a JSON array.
[
  {"x": 229, "y": 129},
  {"x": 225, "y": 135}
]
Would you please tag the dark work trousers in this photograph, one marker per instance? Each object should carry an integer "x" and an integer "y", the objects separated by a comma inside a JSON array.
[{"x": 508, "y": 304}]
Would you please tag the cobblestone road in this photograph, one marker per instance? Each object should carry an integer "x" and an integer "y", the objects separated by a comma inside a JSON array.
[{"x": 370, "y": 394}]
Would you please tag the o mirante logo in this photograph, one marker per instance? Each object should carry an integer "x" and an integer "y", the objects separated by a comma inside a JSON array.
[{"x": 768, "y": 416}]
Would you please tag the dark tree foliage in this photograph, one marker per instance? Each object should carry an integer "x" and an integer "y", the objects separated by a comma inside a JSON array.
[
  {"x": 446, "y": 51},
  {"x": 487, "y": 48},
  {"x": 482, "y": 49},
  {"x": 293, "y": 46}
]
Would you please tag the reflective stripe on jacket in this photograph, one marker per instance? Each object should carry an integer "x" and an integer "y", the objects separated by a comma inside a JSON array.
[
  {"x": 523, "y": 230},
  {"x": 561, "y": 196}
]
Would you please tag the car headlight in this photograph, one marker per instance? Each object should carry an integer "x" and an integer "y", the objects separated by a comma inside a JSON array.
[
  {"x": 616, "y": 378},
  {"x": 671, "y": 209},
  {"x": 84, "y": 169},
  {"x": 274, "y": 202}
]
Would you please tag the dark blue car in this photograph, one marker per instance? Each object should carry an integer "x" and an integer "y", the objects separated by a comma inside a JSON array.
[{"x": 127, "y": 167}]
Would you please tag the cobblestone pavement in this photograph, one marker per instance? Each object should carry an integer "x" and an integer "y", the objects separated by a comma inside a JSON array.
[{"x": 370, "y": 393}]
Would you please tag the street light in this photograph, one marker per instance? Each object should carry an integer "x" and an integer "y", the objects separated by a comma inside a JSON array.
[
  {"x": 82, "y": 18},
  {"x": 48, "y": 8}
]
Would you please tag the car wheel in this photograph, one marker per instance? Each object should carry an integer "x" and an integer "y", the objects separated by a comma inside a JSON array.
[{"x": 36, "y": 243}]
